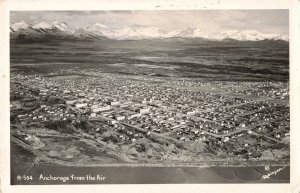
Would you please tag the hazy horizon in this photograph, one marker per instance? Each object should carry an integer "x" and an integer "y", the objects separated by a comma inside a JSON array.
[{"x": 266, "y": 21}]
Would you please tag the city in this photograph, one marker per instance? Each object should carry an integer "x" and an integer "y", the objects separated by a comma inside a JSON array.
[
  {"x": 150, "y": 96},
  {"x": 155, "y": 120}
]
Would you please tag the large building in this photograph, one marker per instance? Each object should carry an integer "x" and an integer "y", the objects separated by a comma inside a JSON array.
[
  {"x": 143, "y": 110},
  {"x": 101, "y": 108},
  {"x": 70, "y": 102},
  {"x": 114, "y": 103},
  {"x": 80, "y": 105}
]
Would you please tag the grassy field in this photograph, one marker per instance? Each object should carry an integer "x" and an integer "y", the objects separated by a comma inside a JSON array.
[{"x": 235, "y": 61}]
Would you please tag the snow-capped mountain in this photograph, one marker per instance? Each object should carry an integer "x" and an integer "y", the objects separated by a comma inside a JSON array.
[
  {"x": 280, "y": 37},
  {"x": 189, "y": 33},
  {"x": 224, "y": 34},
  {"x": 84, "y": 34},
  {"x": 42, "y": 25},
  {"x": 41, "y": 31},
  {"x": 97, "y": 27},
  {"x": 62, "y": 26},
  {"x": 19, "y": 26},
  {"x": 135, "y": 32},
  {"x": 248, "y": 35},
  {"x": 100, "y": 30},
  {"x": 127, "y": 32},
  {"x": 143, "y": 32}
]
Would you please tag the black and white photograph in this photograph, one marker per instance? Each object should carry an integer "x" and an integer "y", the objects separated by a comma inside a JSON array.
[{"x": 149, "y": 96}]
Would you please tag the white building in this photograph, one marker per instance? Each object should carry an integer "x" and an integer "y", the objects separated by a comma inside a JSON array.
[
  {"x": 114, "y": 103},
  {"x": 101, "y": 109},
  {"x": 70, "y": 102},
  {"x": 80, "y": 105},
  {"x": 119, "y": 117},
  {"x": 143, "y": 111}
]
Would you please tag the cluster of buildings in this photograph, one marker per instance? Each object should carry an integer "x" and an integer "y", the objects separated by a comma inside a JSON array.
[{"x": 207, "y": 112}]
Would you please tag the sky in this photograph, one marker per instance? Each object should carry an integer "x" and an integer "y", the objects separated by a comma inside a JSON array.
[{"x": 211, "y": 21}]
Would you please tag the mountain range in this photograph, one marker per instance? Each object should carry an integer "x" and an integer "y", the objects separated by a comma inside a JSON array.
[{"x": 61, "y": 30}]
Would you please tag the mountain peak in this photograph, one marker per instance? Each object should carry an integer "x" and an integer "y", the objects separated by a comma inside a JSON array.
[
  {"x": 189, "y": 32},
  {"x": 58, "y": 22},
  {"x": 141, "y": 32},
  {"x": 100, "y": 25},
  {"x": 62, "y": 26},
  {"x": 97, "y": 27},
  {"x": 42, "y": 25},
  {"x": 19, "y": 26}
]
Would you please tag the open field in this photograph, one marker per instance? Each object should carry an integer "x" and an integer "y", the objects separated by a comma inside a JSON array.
[{"x": 231, "y": 61}]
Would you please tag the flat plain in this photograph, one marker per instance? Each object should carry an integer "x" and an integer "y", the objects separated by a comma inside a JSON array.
[{"x": 172, "y": 102}]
